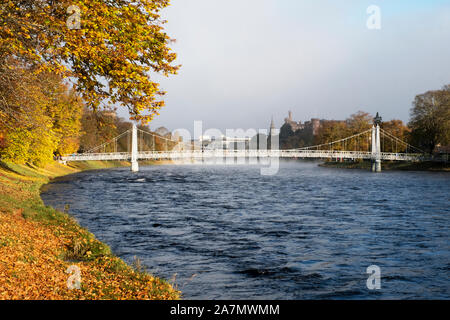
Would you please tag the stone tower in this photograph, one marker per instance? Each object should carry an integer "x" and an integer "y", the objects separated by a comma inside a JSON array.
[{"x": 272, "y": 134}]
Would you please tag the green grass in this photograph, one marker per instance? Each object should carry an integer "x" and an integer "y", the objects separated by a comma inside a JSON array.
[
  {"x": 32, "y": 207},
  {"x": 390, "y": 165},
  {"x": 20, "y": 193},
  {"x": 96, "y": 165}
]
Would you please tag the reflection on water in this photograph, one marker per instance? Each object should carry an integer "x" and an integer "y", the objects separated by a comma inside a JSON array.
[{"x": 308, "y": 232}]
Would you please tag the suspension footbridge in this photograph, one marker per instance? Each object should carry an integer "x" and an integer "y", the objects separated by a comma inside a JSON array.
[{"x": 374, "y": 144}]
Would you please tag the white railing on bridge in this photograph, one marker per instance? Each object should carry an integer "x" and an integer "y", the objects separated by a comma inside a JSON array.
[{"x": 205, "y": 154}]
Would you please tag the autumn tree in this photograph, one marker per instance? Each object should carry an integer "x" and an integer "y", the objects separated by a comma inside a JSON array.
[
  {"x": 42, "y": 116},
  {"x": 430, "y": 119},
  {"x": 109, "y": 58},
  {"x": 331, "y": 130},
  {"x": 20, "y": 94},
  {"x": 98, "y": 127},
  {"x": 290, "y": 139},
  {"x": 64, "y": 108},
  {"x": 359, "y": 122},
  {"x": 399, "y": 130}
]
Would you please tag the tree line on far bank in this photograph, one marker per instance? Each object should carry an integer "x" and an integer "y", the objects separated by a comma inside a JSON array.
[
  {"x": 428, "y": 128},
  {"x": 56, "y": 122}
]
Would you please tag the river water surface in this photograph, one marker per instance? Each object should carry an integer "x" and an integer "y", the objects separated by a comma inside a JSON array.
[{"x": 306, "y": 233}]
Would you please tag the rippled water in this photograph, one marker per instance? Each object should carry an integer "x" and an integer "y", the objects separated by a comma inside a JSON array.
[{"x": 308, "y": 232}]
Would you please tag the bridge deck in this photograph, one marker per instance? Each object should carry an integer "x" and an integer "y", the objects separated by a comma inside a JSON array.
[{"x": 209, "y": 154}]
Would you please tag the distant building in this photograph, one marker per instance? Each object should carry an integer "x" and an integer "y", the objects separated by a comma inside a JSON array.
[
  {"x": 272, "y": 127},
  {"x": 272, "y": 135},
  {"x": 311, "y": 127},
  {"x": 290, "y": 122},
  {"x": 295, "y": 134}
]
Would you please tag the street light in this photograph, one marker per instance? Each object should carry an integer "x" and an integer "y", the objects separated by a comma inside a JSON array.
[{"x": 377, "y": 120}]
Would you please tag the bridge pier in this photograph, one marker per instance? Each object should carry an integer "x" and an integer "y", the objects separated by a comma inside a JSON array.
[
  {"x": 134, "y": 166},
  {"x": 377, "y": 165}
]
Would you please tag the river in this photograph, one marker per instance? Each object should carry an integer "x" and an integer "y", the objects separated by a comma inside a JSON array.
[{"x": 306, "y": 233}]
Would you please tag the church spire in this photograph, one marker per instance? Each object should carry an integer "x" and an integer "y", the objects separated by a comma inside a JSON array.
[{"x": 272, "y": 126}]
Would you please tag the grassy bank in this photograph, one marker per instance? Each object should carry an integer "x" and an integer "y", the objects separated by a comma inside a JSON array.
[
  {"x": 390, "y": 165},
  {"x": 96, "y": 165},
  {"x": 38, "y": 244}
]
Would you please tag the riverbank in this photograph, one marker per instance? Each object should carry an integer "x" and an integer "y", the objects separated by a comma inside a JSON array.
[
  {"x": 38, "y": 244},
  {"x": 388, "y": 165},
  {"x": 98, "y": 165}
]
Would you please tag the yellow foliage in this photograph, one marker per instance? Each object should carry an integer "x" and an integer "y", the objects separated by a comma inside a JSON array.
[
  {"x": 41, "y": 116},
  {"x": 110, "y": 57}
]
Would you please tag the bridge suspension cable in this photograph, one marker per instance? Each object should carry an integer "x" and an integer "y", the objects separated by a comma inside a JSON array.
[
  {"x": 384, "y": 132},
  {"x": 334, "y": 142},
  {"x": 141, "y": 142},
  {"x": 164, "y": 138},
  {"x": 358, "y": 142},
  {"x": 108, "y": 142}
]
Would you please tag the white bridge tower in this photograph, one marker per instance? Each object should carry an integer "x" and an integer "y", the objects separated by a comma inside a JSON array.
[
  {"x": 376, "y": 145},
  {"x": 134, "y": 149}
]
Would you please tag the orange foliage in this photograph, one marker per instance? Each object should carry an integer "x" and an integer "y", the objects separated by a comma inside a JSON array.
[
  {"x": 38, "y": 244},
  {"x": 31, "y": 267}
]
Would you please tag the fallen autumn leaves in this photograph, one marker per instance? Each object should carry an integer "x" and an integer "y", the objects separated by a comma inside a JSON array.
[{"x": 38, "y": 244}]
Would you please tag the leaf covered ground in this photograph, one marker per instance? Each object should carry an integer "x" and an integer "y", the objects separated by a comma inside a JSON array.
[{"x": 38, "y": 244}]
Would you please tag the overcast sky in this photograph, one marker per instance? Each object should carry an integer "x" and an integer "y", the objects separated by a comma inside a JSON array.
[{"x": 246, "y": 60}]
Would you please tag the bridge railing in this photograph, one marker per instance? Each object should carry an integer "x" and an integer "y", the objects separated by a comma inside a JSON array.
[
  {"x": 97, "y": 156},
  {"x": 404, "y": 156},
  {"x": 187, "y": 154}
]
